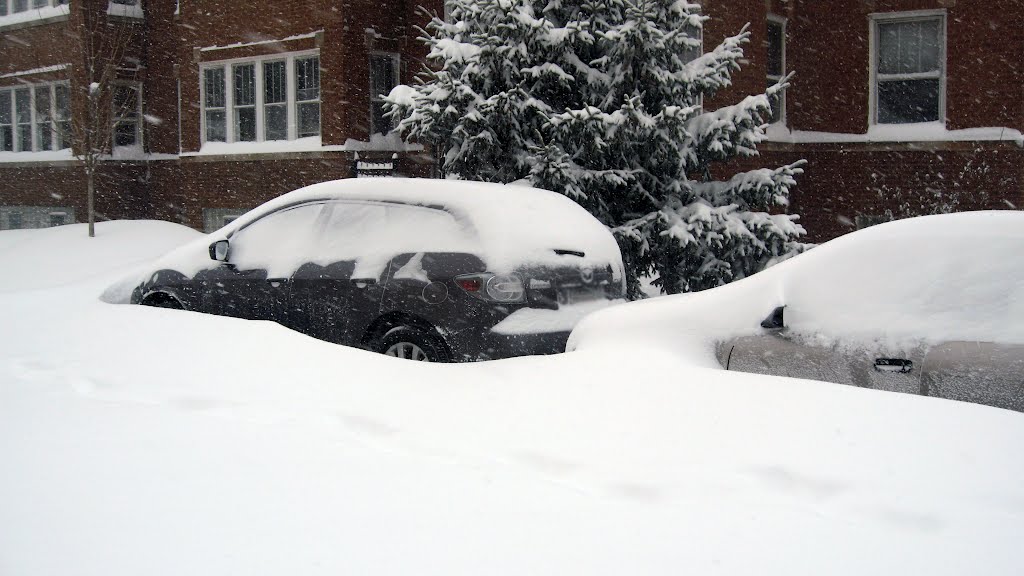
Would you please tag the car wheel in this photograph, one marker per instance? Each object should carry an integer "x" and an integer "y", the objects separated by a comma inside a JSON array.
[
  {"x": 414, "y": 344},
  {"x": 161, "y": 300}
]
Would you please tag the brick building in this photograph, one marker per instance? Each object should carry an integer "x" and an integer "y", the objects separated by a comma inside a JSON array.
[{"x": 900, "y": 106}]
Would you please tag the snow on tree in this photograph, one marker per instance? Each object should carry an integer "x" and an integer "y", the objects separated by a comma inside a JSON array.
[{"x": 602, "y": 101}]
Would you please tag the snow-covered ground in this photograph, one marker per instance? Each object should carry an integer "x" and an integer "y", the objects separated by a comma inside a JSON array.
[{"x": 148, "y": 441}]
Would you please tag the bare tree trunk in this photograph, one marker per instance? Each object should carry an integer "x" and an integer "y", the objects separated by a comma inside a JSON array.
[{"x": 90, "y": 196}]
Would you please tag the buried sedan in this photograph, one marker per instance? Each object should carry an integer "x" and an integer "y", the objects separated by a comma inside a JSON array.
[
  {"x": 931, "y": 306},
  {"x": 420, "y": 269}
]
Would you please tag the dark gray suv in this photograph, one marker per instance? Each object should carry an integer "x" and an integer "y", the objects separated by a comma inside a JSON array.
[{"x": 431, "y": 270}]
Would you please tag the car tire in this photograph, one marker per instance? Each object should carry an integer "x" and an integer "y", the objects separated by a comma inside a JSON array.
[
  {"x": 414, "y": 344},
  {"x": 161, "y": 300}
]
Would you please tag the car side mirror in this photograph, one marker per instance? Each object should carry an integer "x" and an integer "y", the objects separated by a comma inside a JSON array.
[
  {"x": 775, "y": 321},
  {"x": 220, "y": 250}
]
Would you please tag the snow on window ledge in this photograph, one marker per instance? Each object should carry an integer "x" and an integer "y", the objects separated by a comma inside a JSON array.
[
  {"x": 125, "y": 10},
  {"x": 920, "y": 132},
  {"x": 43, "y": 15},
  {"x": 42, "y": 156},
  {"x": 389, "y": 143}
]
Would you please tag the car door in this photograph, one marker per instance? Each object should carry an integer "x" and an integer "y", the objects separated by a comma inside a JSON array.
[
  {"x": 253, "y": 283},
  {"x": 336, "y": 294},
  {"x": 779, "y": 352},
  {"x": 988, "y": 373}
]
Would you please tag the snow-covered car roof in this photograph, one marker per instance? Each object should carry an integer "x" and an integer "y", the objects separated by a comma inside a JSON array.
[
  {"x": 511, "y": 225},
  {"x": 514, "y": 224},
  {"x": 921, "y": 280}
]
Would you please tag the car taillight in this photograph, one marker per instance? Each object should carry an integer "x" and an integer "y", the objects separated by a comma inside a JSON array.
[
  {"x": 493, "y": 287},
  {"x": 469, "y": 283}
]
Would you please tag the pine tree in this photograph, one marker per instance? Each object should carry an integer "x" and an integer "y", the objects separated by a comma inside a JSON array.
[{"x": 602, "y": 101}]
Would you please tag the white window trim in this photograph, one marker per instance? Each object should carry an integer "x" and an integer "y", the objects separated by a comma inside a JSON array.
[
  {"x": 229, "y": 95},
  {"x": 886, "y": 17},
  {"x": 781, "y": 21},
  {"x": 56, "y": 138},
  {"x": 396, "y": 59}
]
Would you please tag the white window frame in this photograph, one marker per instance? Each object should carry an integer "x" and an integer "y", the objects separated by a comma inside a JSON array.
[
  {"x": 58, "y": 141},
  {"x": 873, "y": 42},
  {"x": 781, "y": 22},
  {"x": 229, "y": 92},
  {"x": 396, "y": 63}
]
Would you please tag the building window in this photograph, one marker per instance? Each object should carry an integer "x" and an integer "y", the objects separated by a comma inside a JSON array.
[
  {"x": 35, "y": 118},
  {"x": 15, "y": 6},
  {"x": 127, "y": 115},
  {"x": 14, "y": 221},
  {"x": 909, "y": 69},
  {"x": 58, "y": 218},
  {"x": 383, "y": 77},
  {"x": 776, "y": 65},
  {"x": 263, "y": 99}
]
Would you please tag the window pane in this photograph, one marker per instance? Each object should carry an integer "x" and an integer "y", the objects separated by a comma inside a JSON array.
[
  {"x": 3, "y": 7},
  {"x": 62, "y": 96},
  {"x": 693, "y": 52},
  {"x": 14, "y": 220},
  {"x": 309, "y": 119},
  {"x": 276, "y": 122},
  {"x": 126, "y": 101},
  {"x": 888, "y": 49},
  {"x": 62, "y": 93},
  {"x": 44, "y": 130},
  {"x": 379, "y": 124},
  {"x": 23, "y": 105},
  {"x": 307, "y": 79},
  {"x": 25, "y": 138},
  {"x": 20, "y": 5},
  {"x": 777, "y": 103},
  {"x": 775, "y": 39},
  {"x": 216, "y": 130},
  {"x": 6, "y": 139},
  {"x": 40, "y": 3},
  {"x": 910, "y": 47},
  {"x": 245, "y": 124},
  {"x": 5, "y": 105},
  {"x": 214, "y": 80},
  {"x": 382, "y": 75},
  {"x": 929, "y": 46},
  {"x": 275, "y": 82},
  {"x": 904, "y": 101},
  {"x": 125, "y": 134},
  {"x": 245, "y": 84}
]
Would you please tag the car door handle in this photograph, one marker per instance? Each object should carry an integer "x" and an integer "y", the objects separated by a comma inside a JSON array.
[
  {"x": 896, "y": 365},
  {"x": 276, "y": 282},
  {"x": 364, "y": 282}
]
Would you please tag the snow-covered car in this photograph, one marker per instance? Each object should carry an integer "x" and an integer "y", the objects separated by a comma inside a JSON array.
[
  {"x": 931, "y": 306},
  {"x": 434, "y": 270}
]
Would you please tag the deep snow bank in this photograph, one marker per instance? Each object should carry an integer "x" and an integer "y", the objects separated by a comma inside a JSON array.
[{"x": 141, "y": 439}]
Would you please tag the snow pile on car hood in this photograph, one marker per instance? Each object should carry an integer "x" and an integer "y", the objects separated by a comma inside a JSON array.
[
  {"x": 509, "y": 225},
  {"x": 928, "y": 279}
]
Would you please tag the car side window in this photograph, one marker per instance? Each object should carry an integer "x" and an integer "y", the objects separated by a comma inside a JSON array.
[
  {"x": 352, "y": 230},
  {"x": 279, "y": 242}
]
